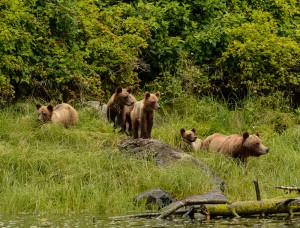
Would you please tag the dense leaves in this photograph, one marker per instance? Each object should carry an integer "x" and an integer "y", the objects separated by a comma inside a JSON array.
[{"x": 60, "y": 49}]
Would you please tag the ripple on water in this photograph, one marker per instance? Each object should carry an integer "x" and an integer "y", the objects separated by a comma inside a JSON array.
[{"x": 87, "y": 220}]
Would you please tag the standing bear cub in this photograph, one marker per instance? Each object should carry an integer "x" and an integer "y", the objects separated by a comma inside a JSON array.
[
  {"x": 63, "y": 114},
  {"x": 119, "y": 107},
  {"x": 142, "y": 115}
]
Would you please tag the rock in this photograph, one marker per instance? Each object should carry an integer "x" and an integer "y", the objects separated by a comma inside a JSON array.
[
  {"x": 164, "y": 154},
  {"x": 101, "y": 108},
  {"x": 155, "y": 198}
]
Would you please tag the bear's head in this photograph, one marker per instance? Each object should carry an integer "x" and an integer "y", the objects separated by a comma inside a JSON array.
[
  {"x": 123, "y": 97},
  {"x": 254, "y": 144},
  {"x": 151, "y": 101},
  {"x": 188, "y": 135},
  {"x": 44, "y": 112}
]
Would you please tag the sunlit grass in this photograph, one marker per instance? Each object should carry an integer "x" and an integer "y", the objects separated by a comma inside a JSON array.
[{"x": 53, "y": 169}]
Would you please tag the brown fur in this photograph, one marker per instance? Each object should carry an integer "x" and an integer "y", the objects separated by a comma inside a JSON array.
[
  {"x": 126, "y": 115},
  {"x": 190, "y": 137},
  {"x": 142, "y": 115},
  {"x": 63, "y": 114},
  {"x": 119, "y": 107},
  {"x": 213, "y": 142},
  {"x": 237, "y": 146}
]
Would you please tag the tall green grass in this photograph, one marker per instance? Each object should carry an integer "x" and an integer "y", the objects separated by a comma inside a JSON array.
[{"x": 53, "y": 169}]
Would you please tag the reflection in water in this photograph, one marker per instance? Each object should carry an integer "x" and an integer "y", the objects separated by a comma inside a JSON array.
[{"x": 85, "y": 220}]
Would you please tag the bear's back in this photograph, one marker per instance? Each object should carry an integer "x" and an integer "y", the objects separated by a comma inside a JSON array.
[
  {"x": 137, "y": 110},
  {"x": 213, "y": 142},
  {"x": 64, "y": 114},
  {"x": 232, "y": 144}
]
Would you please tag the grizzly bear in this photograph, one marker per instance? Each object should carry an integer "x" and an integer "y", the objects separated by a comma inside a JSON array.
[
  {"x": 190, "y": 138},
  {"x": 237, "y": 146},
  {"x": 126, "y": 116},
  {"x": 213, "y": 142},
  {"x": 119, "y": 107},
  {"x": 142, "y": 115},
  {"x": 63, "y": 114}
]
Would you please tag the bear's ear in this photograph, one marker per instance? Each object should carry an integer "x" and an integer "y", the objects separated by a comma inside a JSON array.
[
  {"x": 245, "y": 135},
  {"x": 50, "y": 108},
  {"x": 257, "y": 134},
  {"x": 129, "y": 90},
  {"x": 119, "y": 89},
  {"x": 182, "y": 130},
  {"x": 147, "y": 95},
  {"x": 193, "y": 130},
  {"x": 38, "y": 105},
  {"x": 157, "y": 94}
]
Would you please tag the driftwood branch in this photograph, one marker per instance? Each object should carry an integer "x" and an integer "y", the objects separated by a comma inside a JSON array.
[
  {"x": 215, "y": 197},
  {"x": 257, "y": 190},
  {"x": 289, "y": 188},
  {"x": 144, "y": 215}
]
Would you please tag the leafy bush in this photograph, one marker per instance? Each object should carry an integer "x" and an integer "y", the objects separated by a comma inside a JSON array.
[
  {"x": 258, "y": 58},
  {"x": 84, "y": 49}
]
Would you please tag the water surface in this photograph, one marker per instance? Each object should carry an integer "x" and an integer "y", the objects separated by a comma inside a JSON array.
[{"x": 88, "y": 220}]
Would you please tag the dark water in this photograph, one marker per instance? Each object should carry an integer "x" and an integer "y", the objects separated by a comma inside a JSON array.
[{"x": 84, "y": 220}]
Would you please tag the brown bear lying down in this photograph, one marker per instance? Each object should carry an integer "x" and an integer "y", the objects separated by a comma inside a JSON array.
[
  {"x": 190, "y": 138},
  {"x": 237, "y": 146},
  {"x": 63, "y": 114}
]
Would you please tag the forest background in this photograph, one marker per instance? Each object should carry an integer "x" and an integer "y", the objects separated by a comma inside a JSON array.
[{"x": 63, "y": 50}]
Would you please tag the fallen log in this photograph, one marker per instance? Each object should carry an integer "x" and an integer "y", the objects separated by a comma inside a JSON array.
[
  {"x": 267, "y": 206},
  {"x": 237, "y": 209},
  {"x": 164, "y": 154}
]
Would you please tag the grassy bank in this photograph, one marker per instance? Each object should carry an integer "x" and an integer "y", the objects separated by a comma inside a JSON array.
[{"x": 49, "y": 168}]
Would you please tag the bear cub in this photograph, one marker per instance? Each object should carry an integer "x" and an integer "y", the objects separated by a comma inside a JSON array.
[
  {"x": 189, "y": 137},
  {"x": 63, "y": 114},
  {"x": 119, "y": 107},
  {"x": 142, "y": 115}
]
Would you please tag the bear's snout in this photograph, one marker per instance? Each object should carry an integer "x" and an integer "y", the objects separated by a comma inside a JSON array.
[
  {"x": 40, "y": 120},
  {"x": 263, "y": 151},
  {"x": 193, "y": 139}
]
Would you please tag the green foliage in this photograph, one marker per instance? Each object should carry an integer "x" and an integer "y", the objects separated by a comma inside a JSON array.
[
  {"x": 258, "y": 58},
  {"x": 114, "y": 50},
  {"x": 84, "y": 49},
  {"x": 65, "y": 50}
]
